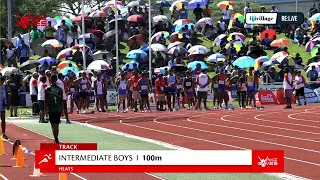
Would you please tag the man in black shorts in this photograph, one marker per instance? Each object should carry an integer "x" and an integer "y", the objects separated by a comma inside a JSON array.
[{"x": 54, "y": 105}]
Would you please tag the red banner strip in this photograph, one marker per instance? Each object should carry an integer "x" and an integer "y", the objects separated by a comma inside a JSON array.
[{"x": 69, "y": 146}]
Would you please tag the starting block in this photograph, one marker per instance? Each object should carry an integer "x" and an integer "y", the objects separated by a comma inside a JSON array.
[{"x": 259, "y": 108}]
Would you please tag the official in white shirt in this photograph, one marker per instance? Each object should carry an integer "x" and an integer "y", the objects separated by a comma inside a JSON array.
[
  {"x": 288, "y": 87},
  {"x": 202, "y": 82},
  {"x": 299, "y": 83}
]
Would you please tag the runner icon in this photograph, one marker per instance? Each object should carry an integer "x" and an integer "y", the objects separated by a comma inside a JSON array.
[{"x": 46, "y": 158}]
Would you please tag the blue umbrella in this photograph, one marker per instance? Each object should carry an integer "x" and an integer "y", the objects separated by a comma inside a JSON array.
[
  {"x": 244, "y": 62},
  {"x": 179, "y": 27},
  {"x": 193, "y": 65},
  {"x": 47, "y": 59},
  {"x": 130, "y": 64},
  {"x": 67, "y": 69},
  {"x": 162, "y": 3},
  {"x": 194, "y": 3},
  {"x": 134, "y": 54}
]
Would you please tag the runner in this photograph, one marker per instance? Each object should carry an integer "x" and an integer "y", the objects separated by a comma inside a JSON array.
[
  {"x": 188, "y": 86},
  {"x": 202, "y": 81},
  {"x": 299, "y": 83},
  {"x": 171, "y": 86},
  {"x": 83, "y": 94},
  {"x": 122, "y": 85},
  {"x": 145, "y": 88},
  {"x": 251, "y": 84},
  {"x": 223, "y": 95},
  {"x": 215, "y": 91},
  {"x": 99, "y": 88},
  {"x": 179, "y": 90},
  {"x": 14, "y": 85},
  {"x": 41, "y": 96},
  {"x": 54, "y": 106},
  {"x": 74, "y": 95},
  {"x": 160, "y": 85},
  {"x": 3, "y": 106},
  {"x": 60, "y": 83},
  {"x": 242, "y": 89},
  {"x": 135, "y": 90}
]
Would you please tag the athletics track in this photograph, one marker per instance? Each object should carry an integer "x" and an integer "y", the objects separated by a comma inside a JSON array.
[{"x": 296, "y": 131}]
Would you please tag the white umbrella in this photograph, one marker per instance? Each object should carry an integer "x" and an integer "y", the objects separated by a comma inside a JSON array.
[
  {"x": 160, "y": 18},
  {"x": 171, "y": 45},
  {"x": 99, "y": 54},
  {"x": 135, "y": 3},
  {"x": 7, "y": 71},
  {"x": 99, "y": 65}
]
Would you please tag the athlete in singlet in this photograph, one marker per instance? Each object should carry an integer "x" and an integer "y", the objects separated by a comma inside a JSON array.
[
  {"x": 215, "y": 91},
  {"x": 122, "y": 84},
  {"x": 171, "y": 88},
  {"x": 179, "y": 90},
  {"x": 242, "y": 88},
  {"x": 188, "y": 86},
  {"x": 145, "y": 88},
  {"x": 251, "y": 87},
  {"x": 54, "y": 106},
  {"x": 222, "y": 77},
  {"x": 99, "y": 92},
  {"x": 74, "y": 95},
  {"x": 84, "y": 86}
]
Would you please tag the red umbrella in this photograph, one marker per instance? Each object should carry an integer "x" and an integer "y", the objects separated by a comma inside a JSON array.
[
  {"x": 79, "y": 18},
  {"x": 139, "y": 38},
  {"x": 98, "y": 33},
  {"x": 270, "y": 33},
  {"x": 136, "y": 18}
]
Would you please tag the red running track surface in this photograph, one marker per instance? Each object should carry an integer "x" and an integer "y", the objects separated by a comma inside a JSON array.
[
  {"x": 32, "y": 141},
  {"x": 296, "y": 131}
]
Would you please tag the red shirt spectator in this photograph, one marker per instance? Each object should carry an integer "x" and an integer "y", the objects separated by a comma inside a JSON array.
[{"x": 160, "y": 84}]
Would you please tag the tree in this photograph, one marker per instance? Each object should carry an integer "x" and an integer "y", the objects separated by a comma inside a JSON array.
[{"x": 74, "y": 7}]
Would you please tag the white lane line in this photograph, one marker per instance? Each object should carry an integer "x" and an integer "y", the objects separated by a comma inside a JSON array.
[
  {"x": 3, "y": 177},
  {"x": 298, "y": 119},
  {"x": 284, "y": 176},
  {"x": 76, "y": 175},
  {"x": 247, "y": 130},
  {"x": 234, "y": 136}
]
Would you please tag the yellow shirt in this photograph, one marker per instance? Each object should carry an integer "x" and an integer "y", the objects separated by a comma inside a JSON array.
[
  {"x": 250, "y": 78},
  {"x": 49, "y": 31}
]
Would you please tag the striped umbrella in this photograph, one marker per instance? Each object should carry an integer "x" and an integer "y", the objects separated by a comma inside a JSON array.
[
  {"x": 279, "y": 55},
  {"x": 260, "y": 61},
  {"x": 174, "y": 44},
  {"x": 224, "y": 4},
  {"x": 62, "y": 55},
  {"x": 178, "y": 4},
  {"x": 157, "y": 35},
  {"x": 239, "y": 36},
  {"x": 204, "y": 21},
  {"x": 47, "y": 59},
  {"x": 161, "y": 70},
  {"x": 218, "y": 39},
  {"x": 176, "y": 36},
  {"x": 237, "y": 45},
  {"x": 60, "y": 18},
  {"x": 198, "y": 48},
  {"x": 65, "y": 64},
  {"x": 315, "y": 50},
  {"x": 214, "y": 58},
  {"x": 182, "y": 21},
  {"x": 97, "y": 14},
  {"x": 195, "y": 3},
  {"x": 177, "y": 50},
  {"x": 315, "y": 38},
  {"x": 53, "y": 42},
  {"x": 158, "y": 47},
  {"x": 315, "y": 17}
]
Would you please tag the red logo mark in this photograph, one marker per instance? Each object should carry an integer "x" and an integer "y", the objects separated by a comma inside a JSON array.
[
  {"x": 30, "y": 20},
  {"x": 267, "y": 97},
  {"x": 267, "y": 161}
]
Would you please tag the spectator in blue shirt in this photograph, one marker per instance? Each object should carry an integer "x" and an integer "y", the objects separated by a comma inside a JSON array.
[
  {"x": 23, "y": 52},
  {"x": 183, "y": 12},
  {"x": 313, "y": 74},
  {"x": 266, "y": 41}
]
